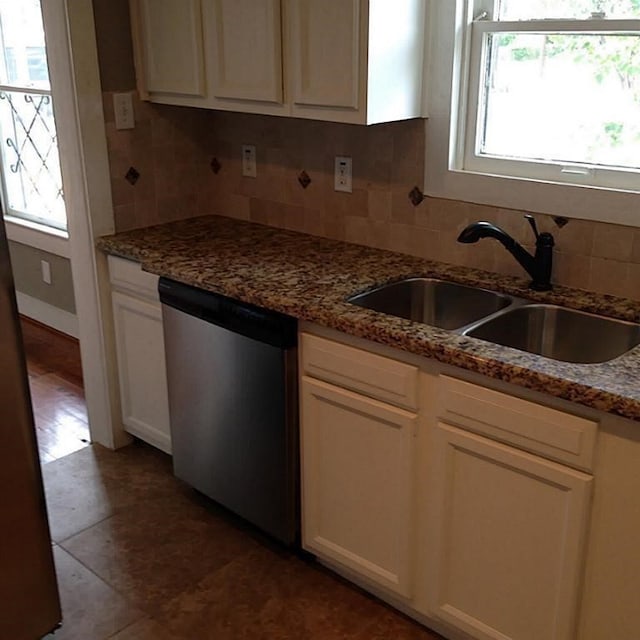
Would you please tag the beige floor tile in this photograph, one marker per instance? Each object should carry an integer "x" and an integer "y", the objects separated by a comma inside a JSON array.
[
  {"x": 160, "y": 548},
  {"x": 76, "y": 498},
  {"x": 91, "y": 610},
  {"x": 84, "y": 488},
  {"x": 271, "y": 595},
  {"x": 170, "y": 565},
  {"x": 389, "y": 624},
  {"x": 145, "y": 629}
]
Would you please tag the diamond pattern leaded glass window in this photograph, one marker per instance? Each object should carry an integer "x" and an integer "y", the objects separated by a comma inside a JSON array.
[{"x": 31, "y": 177}]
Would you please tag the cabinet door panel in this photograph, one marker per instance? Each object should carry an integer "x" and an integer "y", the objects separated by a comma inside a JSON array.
[
  {"x": 141, "y": 369},
  {"x": 172, "y": 46},
  {"x": 357, "y": 459},
  {"x": 507, "y": 539},
  {"x": 245, "y": 49},
  {"x": 325, "y": 52}
]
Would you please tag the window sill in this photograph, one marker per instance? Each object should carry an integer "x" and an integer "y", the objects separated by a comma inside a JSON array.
[
  {"x": 37, "y": 235},
  {"x": 570, "y": 201}
]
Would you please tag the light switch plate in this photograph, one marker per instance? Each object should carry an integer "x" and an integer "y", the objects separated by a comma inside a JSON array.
[
  {"x": 249, "y": 164},
  {"x": 342, "y": 175},
  {"x": 45, "y": 268},
  {"x": 123, "y": 109}
]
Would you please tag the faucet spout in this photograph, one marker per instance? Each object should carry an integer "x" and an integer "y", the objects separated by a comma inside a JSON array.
[{"x": 538, "y": 266}]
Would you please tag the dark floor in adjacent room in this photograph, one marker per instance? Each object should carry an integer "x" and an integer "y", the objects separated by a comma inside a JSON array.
[
  {"x": 140, "y": 556},
  {"x": 55, "y": 380}
]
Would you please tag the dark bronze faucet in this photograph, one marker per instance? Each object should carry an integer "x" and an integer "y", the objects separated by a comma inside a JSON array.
[{"x": 537, "y": 266}]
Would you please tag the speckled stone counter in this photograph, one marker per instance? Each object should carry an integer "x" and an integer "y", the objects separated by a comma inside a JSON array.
[{"x": 310, "y": 278}]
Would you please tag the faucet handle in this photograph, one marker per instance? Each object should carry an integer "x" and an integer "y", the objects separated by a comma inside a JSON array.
[{"x": 531, "y": 220}]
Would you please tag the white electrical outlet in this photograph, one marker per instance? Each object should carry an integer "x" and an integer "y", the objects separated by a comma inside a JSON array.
[
  {"x": 45, "y": 267},
  {"x": 123, "y": 109},
  {"x": 342, "y": 175},
  {"x": 249, "y": 164}
]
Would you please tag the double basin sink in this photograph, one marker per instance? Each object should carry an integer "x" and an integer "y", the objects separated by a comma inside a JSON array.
[{"x": 544, "y": 329}]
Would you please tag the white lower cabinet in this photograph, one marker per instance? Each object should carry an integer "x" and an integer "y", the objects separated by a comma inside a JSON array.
[
  {"x": 506, "y": 538},
  {"x": 357, "y": 456},
  {"x": 139, "y": 337},
  {"x": 469, "y": 506},
  {"x": 507, "y": 525}
]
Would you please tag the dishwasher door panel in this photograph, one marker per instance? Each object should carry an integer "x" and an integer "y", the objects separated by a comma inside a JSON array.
[{"x": 233, "y": 420}]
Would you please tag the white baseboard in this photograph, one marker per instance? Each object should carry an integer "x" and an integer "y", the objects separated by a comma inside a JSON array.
[{"x": 58, "y": 319}]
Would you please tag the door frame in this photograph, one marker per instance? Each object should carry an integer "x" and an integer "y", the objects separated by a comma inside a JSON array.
[{"x": 77, "y": 98}]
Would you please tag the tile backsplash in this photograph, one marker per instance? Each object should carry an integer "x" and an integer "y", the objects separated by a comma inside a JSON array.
[{"x": 189, "y": 164}]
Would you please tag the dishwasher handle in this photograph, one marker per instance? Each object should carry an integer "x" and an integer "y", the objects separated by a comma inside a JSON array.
[{"x": 264, "y": 325}]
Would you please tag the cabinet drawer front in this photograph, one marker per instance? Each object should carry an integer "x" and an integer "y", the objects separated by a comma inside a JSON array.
[
  {"x": 129, "y": 276},
  {"x": 370, "y": 374},
  {"x": 528, "y": 425}
]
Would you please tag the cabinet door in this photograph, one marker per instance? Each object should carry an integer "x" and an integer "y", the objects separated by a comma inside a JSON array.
[
  {"x": 357, "y": 479},
  {"x": 506, "y": 539},
  {"x": 172, "y": 50},
  {"x": 325, "y": 53},
  {"x": 141, "y": 368},
  {"x": 245, "y": 49}
]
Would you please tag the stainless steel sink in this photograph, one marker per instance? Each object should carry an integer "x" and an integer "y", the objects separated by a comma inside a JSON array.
[
  {"x": 442, "y": 304},
  {"x": 559, "y": 333}
]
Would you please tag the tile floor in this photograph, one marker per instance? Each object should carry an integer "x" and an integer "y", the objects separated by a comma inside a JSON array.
[{"x": 140, "y": 556}]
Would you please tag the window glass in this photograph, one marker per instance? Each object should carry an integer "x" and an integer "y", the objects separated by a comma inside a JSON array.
[
  {"x": 22, "y": 43},
  {"x": 562, "y": 97},
  {"x": 37, "y": 65},
  {"x": 11, "y": 66},
  {"x": 30, "y": 161}
]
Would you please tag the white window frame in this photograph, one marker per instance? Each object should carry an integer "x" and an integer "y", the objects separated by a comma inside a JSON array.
[
  {"x": 33, "y": 230},
  {"x": 449, "y": 118}
]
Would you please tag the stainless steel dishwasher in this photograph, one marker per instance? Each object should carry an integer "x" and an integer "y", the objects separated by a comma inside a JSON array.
[{"x": 231, "y": 370}]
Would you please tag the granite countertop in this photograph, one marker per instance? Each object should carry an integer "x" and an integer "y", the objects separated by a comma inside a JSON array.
[{"x": 309, "y": 278}]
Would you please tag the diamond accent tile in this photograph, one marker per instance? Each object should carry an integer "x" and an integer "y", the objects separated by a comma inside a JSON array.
[
  {"x": 416, "y": 196},
  {"x": 304, "y": 179},
  {"x": 132, "y": 175},
  {"x": 560, "y": 221}
]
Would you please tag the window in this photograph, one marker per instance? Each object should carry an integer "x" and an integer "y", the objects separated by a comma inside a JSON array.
[
  {"x": 535, "y": 104},
  {"x": 31, "y": 177},
  {"x": 554, "y": 91}
]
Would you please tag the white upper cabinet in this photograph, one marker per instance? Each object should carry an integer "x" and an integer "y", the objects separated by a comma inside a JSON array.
[
  {"x": 244, "y": 50},
  {"x": 354, "y": 61},
  {"x": 170, "y": 51},
  {"x": 325, "y": 53}
]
